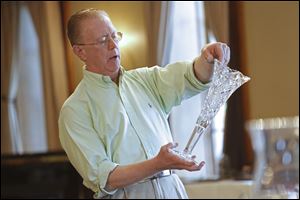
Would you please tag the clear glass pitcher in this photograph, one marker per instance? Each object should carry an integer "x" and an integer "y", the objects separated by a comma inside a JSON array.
[{"x": 276, "y": 145}]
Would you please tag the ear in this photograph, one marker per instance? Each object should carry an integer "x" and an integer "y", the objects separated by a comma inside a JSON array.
[{"x": 80, "y": 52}]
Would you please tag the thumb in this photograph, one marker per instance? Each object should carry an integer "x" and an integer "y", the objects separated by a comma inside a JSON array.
[{"x": 172, "y": 145}]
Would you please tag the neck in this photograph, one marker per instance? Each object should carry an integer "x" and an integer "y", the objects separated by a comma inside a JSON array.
[{"x": 113, "y": 75}]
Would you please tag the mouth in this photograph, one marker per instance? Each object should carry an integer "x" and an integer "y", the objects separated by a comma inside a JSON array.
[{"x": 114, "y": 57}]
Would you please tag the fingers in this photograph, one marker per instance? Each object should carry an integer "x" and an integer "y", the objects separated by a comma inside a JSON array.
[
  {"x": 199, "y": 166},
  {"x": 195, "y": 166},
  {"x": 202, "y": 163},
  {"x": 226, "y": 53},
  {"x": 192, "y": 165},
  {"x": 172, "y": 145},
  {"x": 218, "y": 51},
  {"x": 209, "y": 58}
]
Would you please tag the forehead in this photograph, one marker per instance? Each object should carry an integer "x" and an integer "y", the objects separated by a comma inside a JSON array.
[{"x": 97, "y": 24}]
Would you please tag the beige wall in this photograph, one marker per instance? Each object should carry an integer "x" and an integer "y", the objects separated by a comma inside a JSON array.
[
  {"x": 271, "y": 47},
  {"x": 136, "y": 21},
  {"x": 272, "y": 57}
]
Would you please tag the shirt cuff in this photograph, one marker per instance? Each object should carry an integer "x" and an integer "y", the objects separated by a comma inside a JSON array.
[{"x": 106, "y": 168}]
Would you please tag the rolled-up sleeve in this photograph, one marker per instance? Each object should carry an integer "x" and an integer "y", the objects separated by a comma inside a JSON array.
[{"x": 85, "y": 149}]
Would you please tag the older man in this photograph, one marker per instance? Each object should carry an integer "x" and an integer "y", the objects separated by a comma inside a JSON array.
[{"x": 114, "y": 126}]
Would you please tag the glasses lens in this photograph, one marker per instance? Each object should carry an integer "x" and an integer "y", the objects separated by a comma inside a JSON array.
[{"x": 118, "y": 36}]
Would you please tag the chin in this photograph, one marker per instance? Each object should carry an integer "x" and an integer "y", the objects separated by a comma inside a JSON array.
[
  {"x": 113, "y": 65},
  {"x": 114, "y": 68}
]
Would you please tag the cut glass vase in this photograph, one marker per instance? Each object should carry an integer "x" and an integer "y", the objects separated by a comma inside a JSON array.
[{"x": 225, "y": 82}]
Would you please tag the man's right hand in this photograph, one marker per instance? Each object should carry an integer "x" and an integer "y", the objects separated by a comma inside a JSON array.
[
  {"x": 124, "y": 175},
  {"x": 168, "y": 160}
]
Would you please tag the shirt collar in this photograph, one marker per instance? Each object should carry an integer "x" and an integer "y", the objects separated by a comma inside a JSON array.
[{"x": 99, "y": 78}]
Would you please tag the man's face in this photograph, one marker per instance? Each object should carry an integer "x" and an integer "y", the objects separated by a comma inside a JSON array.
[{"x": 103, "y": 56}]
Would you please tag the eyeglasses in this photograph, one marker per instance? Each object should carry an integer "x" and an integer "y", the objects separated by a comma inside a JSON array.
[{"x": 104, "y": 40}]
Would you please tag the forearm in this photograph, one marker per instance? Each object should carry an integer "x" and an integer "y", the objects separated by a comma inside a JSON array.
[
  {"x": 202, "y": 70},
  {"x": 123, "y": 176}
]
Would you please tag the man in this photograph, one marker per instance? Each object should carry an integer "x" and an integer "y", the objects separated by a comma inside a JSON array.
[{"x": 114, "y": 126}]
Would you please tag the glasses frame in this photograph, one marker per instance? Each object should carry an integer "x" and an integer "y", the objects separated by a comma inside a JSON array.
[{"x": 105, "y": 39}]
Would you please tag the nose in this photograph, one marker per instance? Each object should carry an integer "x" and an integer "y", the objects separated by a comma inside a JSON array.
[{"x": 112, "y": 44}]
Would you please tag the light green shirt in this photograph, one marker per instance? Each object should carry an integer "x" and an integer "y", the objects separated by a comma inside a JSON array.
[{"x": 103, "y": 125}]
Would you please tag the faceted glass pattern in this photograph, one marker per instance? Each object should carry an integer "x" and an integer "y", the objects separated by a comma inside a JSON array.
[{"x": 225, "y": 81}]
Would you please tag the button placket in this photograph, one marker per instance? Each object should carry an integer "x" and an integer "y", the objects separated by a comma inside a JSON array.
[{"x": 134, "y": 121}]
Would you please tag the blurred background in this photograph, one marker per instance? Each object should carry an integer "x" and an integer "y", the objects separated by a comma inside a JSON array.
[{"x": 39, "y": 71}]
